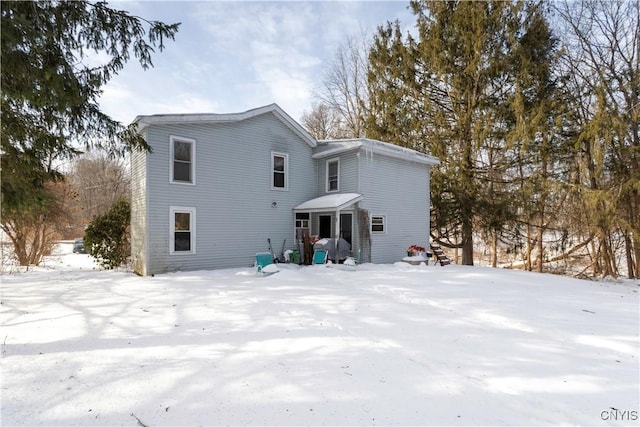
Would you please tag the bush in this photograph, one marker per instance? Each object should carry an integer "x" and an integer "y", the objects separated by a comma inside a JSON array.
[{"x": 107, "y": 237}]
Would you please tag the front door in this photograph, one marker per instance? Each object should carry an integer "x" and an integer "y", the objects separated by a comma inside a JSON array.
[
  {"x": 324, "y": 225},
  {"x": 346, "y": 227}
]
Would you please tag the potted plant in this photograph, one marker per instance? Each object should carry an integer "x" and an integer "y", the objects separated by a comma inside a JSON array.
[{"x": 415, "y": 250}]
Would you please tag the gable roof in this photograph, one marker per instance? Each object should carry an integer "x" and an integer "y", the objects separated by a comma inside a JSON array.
[
  {"x": 334, "y": 147},
  {"x": 144, "y": 121}
]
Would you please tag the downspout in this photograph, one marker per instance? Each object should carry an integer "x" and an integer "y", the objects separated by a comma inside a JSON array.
[
  {"x": 358, "y": 163},
  {"x": 428, "y": 245},
  {"x": 356, "y": 226},
  {"x": 357, "y": 213},
  {"x": 337, "y": 233}
]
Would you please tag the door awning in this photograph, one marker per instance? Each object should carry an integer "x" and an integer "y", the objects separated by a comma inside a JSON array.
[{"x": 331, "y": 202}]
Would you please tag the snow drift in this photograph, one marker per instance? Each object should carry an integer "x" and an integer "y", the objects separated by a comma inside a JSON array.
[{"x": 382, "y": 345}]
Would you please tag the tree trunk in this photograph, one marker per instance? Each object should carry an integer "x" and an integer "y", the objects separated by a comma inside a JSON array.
[
  {"x": 540, "y": 245},
  {"x": 467, "y": 196},
  {"x": 529, "y": 250},
  {"x": 542, "y": 203},
  {"x": 606, "y": 251},
  {"x": 494, "y": 249},
  {"x": 20, "y": 251},
  {"x": 629, "y": 253},
  {"x": 467, "y": 242},
  {"x": 636, "y": 247}
]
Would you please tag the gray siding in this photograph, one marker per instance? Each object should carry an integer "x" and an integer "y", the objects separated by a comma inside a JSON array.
[
  {"x": 398, "y": 189},
  {"x": 236, "y": 210},
  {"x": 348, "y": 182},
  {"x": 138, "y": 211},
  {"x": 232, "y": 195},
  {"x": 395, "y": 188}
]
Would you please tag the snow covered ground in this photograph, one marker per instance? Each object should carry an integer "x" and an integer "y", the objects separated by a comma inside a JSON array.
[{"x": 382, "y": 345}]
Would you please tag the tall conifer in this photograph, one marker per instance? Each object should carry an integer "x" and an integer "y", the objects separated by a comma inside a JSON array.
[{"x": 446, "y": 93}]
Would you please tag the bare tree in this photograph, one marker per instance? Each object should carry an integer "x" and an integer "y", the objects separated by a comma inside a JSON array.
[
  {"x": 321, "y": 122},
  {"x": 342, "y": 99},
  {"x": 603, "y": 54},
  {"x": 33, "y": 234},
  {"x": 99, "y": 182}
]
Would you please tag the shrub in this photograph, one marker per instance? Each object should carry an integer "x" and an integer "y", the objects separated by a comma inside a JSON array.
[{"x": 107, "y": 237}]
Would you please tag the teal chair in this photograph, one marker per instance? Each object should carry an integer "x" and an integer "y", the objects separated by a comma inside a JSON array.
[
  {"x": 319, "y": 257},
  {"x": 264, "y": 264}
]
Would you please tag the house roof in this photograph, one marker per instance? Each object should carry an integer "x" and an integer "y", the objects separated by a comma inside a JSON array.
[
  {"x": 144, "y": 121},
  {"x": 329, "y": 202},
  {"x": 327, "y": 148}
]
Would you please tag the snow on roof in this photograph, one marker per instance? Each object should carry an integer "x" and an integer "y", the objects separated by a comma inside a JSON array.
[
  {"x": 330, "y": 202},
  {"x": 337, "y": 146},
  {"x": 144, "y": 121}
]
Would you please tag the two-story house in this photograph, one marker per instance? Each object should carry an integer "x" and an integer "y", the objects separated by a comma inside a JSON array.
[{"x": 215, "y": 187}]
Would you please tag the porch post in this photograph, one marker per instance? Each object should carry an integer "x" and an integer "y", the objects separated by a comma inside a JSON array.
[{"x": 337, "y": 233}]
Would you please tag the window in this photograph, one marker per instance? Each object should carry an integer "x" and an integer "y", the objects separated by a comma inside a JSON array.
[
  {"x": 183, "y": 160},
  {"x": 182, "y": 224},
  {"x": 280, "y": 171},
  {"x": 333, "y": 174},
  {"x": 378, "y": 224},
  {"x": 302, "y": 220}
]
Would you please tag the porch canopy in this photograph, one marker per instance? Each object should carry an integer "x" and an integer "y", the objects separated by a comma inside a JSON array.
[{"x": 330, "y": 203}]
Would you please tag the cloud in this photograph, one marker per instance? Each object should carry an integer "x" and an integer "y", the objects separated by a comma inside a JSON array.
[
  {"x": 123, "y": 103},
  {"x": 233, "y": 56},
  {"x": 187, "y": 103},
  {"x": 273, "y": 43}
]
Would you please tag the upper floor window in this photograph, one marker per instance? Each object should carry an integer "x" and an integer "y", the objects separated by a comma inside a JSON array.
[
  {"x": 182, "y": 229},
  {"x": 280, "y": 171},
  {"x": 333, "y": 174},
  {"x": 183, "y": 160}
]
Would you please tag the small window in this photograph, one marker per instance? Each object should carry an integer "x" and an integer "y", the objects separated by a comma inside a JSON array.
[
  {"x": 378, "y": 224},
  {"x": 302, "y": 220},
  {"x": 333, "y": 174},
  {"x": 182, "y": 224},
  {"x": 280, "y": 169},
  {"x": 182, "y": 160}
]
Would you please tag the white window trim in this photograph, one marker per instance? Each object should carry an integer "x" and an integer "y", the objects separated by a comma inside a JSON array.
[
  {"x": 295, "y": 220},
  {"x": 172, "y": 139},
  {"x": 172, "y": 228},
  {"x": 384, "y": 224},
  {"x": 326, "y": 184},
  {"x": 286, "y": 171}
]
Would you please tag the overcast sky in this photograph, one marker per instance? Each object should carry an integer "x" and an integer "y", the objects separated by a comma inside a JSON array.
[{"x": 235, "y": 55}]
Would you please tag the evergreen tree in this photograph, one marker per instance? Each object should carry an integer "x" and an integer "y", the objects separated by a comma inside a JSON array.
[
  {"x": 107, "y": 237},
  {"x": 50, "y": 96},
  {"x": 541, "y": 152},
  {"x": 445, "y": 93},
  {"x": 451, "y": 93}
]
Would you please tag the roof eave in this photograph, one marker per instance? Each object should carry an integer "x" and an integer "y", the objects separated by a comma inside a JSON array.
[
  {"x": 355, "y": 199},
  {"x": 335, "y": 151},
  {"x": 145, "y": 121},
  {"x": 379, "y": 147}
]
